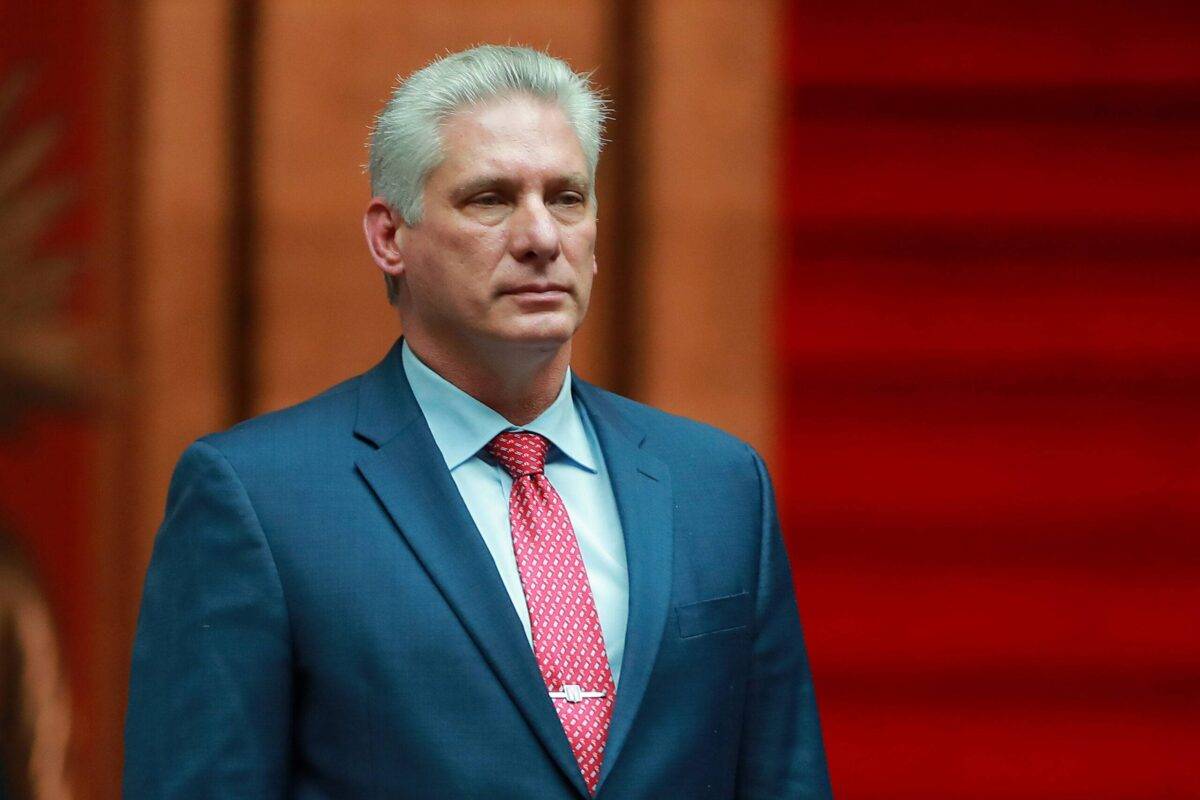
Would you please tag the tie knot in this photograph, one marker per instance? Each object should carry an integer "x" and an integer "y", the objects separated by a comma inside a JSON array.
[{"x": 520, "y": 452}]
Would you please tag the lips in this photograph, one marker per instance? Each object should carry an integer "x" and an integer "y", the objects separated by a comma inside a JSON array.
[{"x": 536, "y": 288}]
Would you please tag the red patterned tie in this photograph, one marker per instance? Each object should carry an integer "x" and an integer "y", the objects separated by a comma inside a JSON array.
[{"x": 567, "y": 640}]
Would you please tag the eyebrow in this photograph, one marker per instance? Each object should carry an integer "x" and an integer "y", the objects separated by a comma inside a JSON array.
[
  {"x": 477, "y": 185},
  {"x": 574, "y": 180}
]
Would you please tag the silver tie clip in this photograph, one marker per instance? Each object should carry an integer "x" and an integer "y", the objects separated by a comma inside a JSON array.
[{"x": 573, "y": 694}]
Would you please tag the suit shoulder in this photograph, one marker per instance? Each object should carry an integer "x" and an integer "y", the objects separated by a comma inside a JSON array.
[
  {"x": 714, "y": 469},
  {"x": 294, "y": 430},
  {"x": 671, "y": 432}
]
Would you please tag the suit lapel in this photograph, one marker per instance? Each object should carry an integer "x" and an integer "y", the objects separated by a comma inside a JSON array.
[
  {"x": 410, "y": 478},
  {"x": 642, "y": 487}
]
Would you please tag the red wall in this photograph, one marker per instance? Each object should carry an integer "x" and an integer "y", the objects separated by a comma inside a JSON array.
[
  {"x": 47, "y": 456},
  {"x": 990, "y": 351}
]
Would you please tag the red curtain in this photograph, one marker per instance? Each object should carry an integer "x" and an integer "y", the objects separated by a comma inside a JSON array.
[{"x": 989, "y": 343}]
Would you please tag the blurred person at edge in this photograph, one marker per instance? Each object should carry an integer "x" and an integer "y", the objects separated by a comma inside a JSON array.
[{"x": 467, "y": 573}]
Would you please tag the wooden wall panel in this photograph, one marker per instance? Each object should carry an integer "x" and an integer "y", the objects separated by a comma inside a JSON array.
[
  {"x": 115, "y": 546},
  {"x": 325, "y": 71},
  {"x": 706, "y": 267},
  {"x": 179, "y": 370},
  {"x": 177, "y": 354}
]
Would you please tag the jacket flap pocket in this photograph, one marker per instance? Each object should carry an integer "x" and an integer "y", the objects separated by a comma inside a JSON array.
[{"x": 710, "y": 616}]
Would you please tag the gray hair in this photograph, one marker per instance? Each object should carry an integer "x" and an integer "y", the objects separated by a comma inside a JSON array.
[{"x": 406, "y": 140}]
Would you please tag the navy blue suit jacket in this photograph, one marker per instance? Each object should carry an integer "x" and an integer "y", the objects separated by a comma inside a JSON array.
[{"x": 321, "y": 619}]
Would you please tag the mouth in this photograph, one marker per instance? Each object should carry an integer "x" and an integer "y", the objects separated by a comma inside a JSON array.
[
  {"x": 538, "y": 293},
  {"x": 537, "y": 289}
]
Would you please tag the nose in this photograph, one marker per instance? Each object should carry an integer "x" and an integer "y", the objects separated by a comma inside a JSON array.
[{"x": 534, "y": 235}]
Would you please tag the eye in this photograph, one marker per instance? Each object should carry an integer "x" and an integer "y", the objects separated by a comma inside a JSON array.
[
  {"x": 569, "y": 199},
  {"x": 488, "y": 200}
]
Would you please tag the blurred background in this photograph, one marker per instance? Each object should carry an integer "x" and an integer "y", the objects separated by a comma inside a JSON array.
[{"x": 936, "y": 260}]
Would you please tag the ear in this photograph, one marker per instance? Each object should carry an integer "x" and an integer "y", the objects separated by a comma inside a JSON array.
[
  {"x": 595, "y": 268},
  {"x": 384, "y": 229}
]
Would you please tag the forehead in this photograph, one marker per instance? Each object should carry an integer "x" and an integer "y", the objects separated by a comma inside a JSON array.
[{"x": 511, "y": 134}]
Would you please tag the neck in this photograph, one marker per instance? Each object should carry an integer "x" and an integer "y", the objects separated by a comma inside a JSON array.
[{"x": 517, "y": 383}]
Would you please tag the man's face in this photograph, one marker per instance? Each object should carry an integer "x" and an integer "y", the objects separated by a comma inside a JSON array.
[{"x": 504, "y": 253}]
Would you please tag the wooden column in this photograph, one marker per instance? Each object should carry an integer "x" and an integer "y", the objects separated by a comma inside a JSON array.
[
  {"x": 180, "y": 347},
  {"x": 708, "y": 118},
  {"x": 167, "y": 285}
]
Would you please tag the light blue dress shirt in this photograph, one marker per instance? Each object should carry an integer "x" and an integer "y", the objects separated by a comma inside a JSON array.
[{"x": 462, "y": 426}]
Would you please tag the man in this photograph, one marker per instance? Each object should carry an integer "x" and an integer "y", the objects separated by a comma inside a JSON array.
[{"x": 467, "y": 573}]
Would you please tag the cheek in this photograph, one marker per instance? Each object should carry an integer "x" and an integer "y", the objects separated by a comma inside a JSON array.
[
  {"x": 459, "y": 263},
  {"x": 477, "y": 249},
  {"x": 580, "y": 244}
]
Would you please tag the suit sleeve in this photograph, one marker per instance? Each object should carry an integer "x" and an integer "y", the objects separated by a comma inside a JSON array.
[
  {"x": 782, "y": 755},
  {"x": 209, "y": 711}
]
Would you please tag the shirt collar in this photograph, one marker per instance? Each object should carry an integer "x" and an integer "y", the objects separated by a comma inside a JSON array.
[{"x": 462, "y": 426}]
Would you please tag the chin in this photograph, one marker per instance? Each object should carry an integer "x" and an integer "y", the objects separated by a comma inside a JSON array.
[{"x": 550, "y": 333}]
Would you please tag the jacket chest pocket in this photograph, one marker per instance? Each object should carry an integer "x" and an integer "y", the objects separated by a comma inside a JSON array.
[{"x": 712, "y": 616}]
